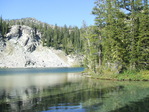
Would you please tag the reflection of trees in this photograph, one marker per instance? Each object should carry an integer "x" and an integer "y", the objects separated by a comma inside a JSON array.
[
  {"x": 37, "y": 99},
  {"x": 125, "y": 100},
  {"x": 139, "y": 106},
  {"x": 17, "y": 99},
  {"x": 102, "y": 96}
]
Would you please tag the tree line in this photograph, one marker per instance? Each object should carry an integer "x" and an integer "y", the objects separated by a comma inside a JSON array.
[
  {"x": 4, "y": 28},
  {"x": 64, "y": 38},
  {"x": 119, "y": 40}
]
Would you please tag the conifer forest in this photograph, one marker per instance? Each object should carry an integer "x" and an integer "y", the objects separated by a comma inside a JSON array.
[{"x": 119, "y": 40}]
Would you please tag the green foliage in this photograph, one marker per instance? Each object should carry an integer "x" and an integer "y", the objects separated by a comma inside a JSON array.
[
  {"x": 133, "y": 75},
  {"x": 64, "y": 38},
  {"x": 67, "y": 39},
  {"x": 118, "y": 42},
  {"x": 122, "y": 36},
  {"x": 90, "y": 48},
  {"x": 4, "y": 27}
]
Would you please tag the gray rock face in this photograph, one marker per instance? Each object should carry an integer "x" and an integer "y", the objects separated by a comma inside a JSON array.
[
  {"x": 23, "y": 49},
  {"x": 25, "y": 36},
  {"x": 2, "y": 43}
]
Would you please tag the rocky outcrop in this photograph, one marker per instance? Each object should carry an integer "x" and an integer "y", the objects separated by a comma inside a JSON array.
[
  {"x": 2, "y": 43},
  {"x": 22, "y": 48},
  {"x": 24, "y": 36}
]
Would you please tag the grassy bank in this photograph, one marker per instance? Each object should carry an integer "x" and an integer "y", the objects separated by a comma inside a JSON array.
[{"x": 125, "y": 76}]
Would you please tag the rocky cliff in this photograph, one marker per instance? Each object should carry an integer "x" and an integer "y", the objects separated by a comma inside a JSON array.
[{"x": 22, "y": 48}]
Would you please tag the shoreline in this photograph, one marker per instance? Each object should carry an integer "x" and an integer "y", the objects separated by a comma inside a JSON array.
[
  {"x": 138, "y": 76},
  {"x": 36, "y": 67}
]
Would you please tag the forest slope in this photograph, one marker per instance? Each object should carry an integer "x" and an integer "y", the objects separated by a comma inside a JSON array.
[{"x": 23, "y": 48}]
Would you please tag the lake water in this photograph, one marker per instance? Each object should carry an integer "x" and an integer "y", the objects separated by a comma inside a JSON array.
[{"x": 66, "y": 90}]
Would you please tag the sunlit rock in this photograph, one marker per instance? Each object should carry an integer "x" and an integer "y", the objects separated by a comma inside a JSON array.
[{"x": 23, "y": 48}]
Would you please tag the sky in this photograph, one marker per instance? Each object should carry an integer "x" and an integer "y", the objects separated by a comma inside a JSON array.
[{"x": 60, "y": 12}]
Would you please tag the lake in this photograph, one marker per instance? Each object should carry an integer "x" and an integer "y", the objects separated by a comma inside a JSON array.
[{"x": 66, "y": 90}]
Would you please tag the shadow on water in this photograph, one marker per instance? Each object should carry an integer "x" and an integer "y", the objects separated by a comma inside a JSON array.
[{"x": 139, "y": 106}]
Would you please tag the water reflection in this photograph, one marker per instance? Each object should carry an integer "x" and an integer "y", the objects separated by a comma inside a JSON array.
[
  {"x": 26, "y": 80},
  {"x": 138, "y": 106},
  {"x": 67, "y": 92}
]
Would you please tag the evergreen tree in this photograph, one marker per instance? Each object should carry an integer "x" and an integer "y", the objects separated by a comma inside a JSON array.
[
  {"x": 123, "y": 35},
  {"x": 4, "y": 27},
  {"x": 90, "y": 48},
  {"x": 143, "y": 41}
]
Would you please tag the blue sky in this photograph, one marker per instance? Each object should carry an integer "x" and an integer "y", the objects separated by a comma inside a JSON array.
[{"x": 60, "y": 12}]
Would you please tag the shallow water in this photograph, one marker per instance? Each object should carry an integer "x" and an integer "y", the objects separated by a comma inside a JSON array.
[{"x": 45, "y": 90}]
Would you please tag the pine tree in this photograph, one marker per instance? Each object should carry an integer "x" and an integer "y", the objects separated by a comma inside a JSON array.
[
  {"x": 4, "y": 27},
  {"x": 1, "y": 23},
  {"x": 143, "y": 41},
  {"x": 123, "y": 35},
  {"x": 90, "y": 48},
  {"x": 135, "y": 9}
]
